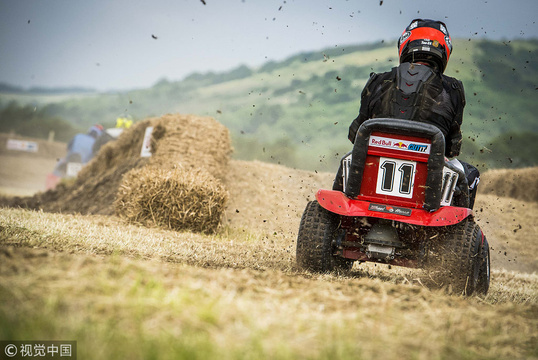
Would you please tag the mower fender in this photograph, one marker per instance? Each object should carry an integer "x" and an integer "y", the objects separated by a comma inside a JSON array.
[{"x": 337, "y": 202}]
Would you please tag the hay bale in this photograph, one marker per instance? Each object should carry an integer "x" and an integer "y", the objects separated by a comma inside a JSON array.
[
  {"x": 189, "y": 141},
  {"x": 193, "y": 142},
  {"x": 97, "y": 183},
  {"x": 177, "y": 199}
]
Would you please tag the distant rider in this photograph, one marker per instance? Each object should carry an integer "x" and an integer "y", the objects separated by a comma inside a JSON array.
[
  {"x": 79, "y": 150},
  {"x": 82, "y": 144},
  {"x": 424, "y": 49},
  {"x": 122, "y": 123}
]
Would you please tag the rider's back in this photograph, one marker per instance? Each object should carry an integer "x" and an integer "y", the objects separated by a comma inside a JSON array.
[{"x": 415, "y": 92}]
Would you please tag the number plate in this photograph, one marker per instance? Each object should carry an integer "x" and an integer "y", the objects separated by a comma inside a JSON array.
[{"x": 396, "y": 177}]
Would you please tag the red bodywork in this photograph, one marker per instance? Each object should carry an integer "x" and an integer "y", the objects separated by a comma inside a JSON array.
[
  {"x": 391, "y": 207},
  {"x": 394, "y": 148},
  {"x": 338, "y": 203},
  {"x": 375, "y": 203}
]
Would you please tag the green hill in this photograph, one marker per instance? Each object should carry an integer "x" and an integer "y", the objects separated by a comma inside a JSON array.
[{"x": 297, "y": 111}]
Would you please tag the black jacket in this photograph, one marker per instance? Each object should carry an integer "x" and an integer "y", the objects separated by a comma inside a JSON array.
[{"x": 415, "y": 92}]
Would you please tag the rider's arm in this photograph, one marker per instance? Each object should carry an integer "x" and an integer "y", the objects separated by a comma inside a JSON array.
[
  {"x": 364, "y": 112},
  {"x": 454, "y": 138},
  {"x": 354, "y": 127}
]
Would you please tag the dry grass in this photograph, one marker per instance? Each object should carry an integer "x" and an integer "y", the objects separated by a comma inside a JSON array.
[
  {"x": 236, "y": 296},
  {"x": 106, "y": 235},
  {"x": 511, "y": 227},
  {"x": 520, "y": 184},
  {"x": 270, "y": 197},
  {"x": 131, "y": 292}
]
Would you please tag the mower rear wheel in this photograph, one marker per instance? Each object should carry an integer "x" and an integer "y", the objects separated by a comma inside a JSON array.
[
  {"x": 484, "y": 275},
  {"x": 317, "y": 232},
  {"x": 464, "y": 258}
]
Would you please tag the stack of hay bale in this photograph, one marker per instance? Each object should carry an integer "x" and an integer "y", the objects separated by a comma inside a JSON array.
[{"x": 180, "y": 187}]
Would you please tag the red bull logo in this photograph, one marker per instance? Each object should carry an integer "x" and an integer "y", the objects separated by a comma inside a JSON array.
[
  {"x": 380, "y": 142},
  {"x": 399, "y": 144}
]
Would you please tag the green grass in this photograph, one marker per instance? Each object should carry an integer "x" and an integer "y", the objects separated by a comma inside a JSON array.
[{"x": 498, "y": 79}]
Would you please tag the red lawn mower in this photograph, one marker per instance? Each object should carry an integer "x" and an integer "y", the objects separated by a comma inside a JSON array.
[{"x": 401, "y": 203}]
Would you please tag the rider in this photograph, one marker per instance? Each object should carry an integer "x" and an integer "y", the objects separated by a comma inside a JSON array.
[
  {"x": 122, "y": 123},
  {"x": 418, "y": 90},
  {"x": 79, "y": 149}
]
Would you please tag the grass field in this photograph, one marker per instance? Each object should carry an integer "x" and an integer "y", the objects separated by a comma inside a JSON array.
[
  {"x": 128, "y": 292},
  {"x": 131, "y": 292}
]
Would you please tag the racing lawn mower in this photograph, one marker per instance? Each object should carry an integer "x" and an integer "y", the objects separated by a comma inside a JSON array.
[{"x": 402, "y": 203}]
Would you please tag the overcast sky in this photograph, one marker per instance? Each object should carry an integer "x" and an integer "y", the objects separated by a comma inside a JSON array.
[{"x": 124, "y": 44}]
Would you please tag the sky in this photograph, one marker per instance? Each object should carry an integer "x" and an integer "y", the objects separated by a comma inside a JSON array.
[{"x": 125, "y": 44}]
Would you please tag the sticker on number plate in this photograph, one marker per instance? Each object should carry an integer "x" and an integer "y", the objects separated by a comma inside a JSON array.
[
  {"x": 396, "y": 177},
  {"x": 390, "y": 209}
]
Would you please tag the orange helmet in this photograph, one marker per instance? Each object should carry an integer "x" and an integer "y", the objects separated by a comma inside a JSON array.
[{"x": 425, "y": 40}]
